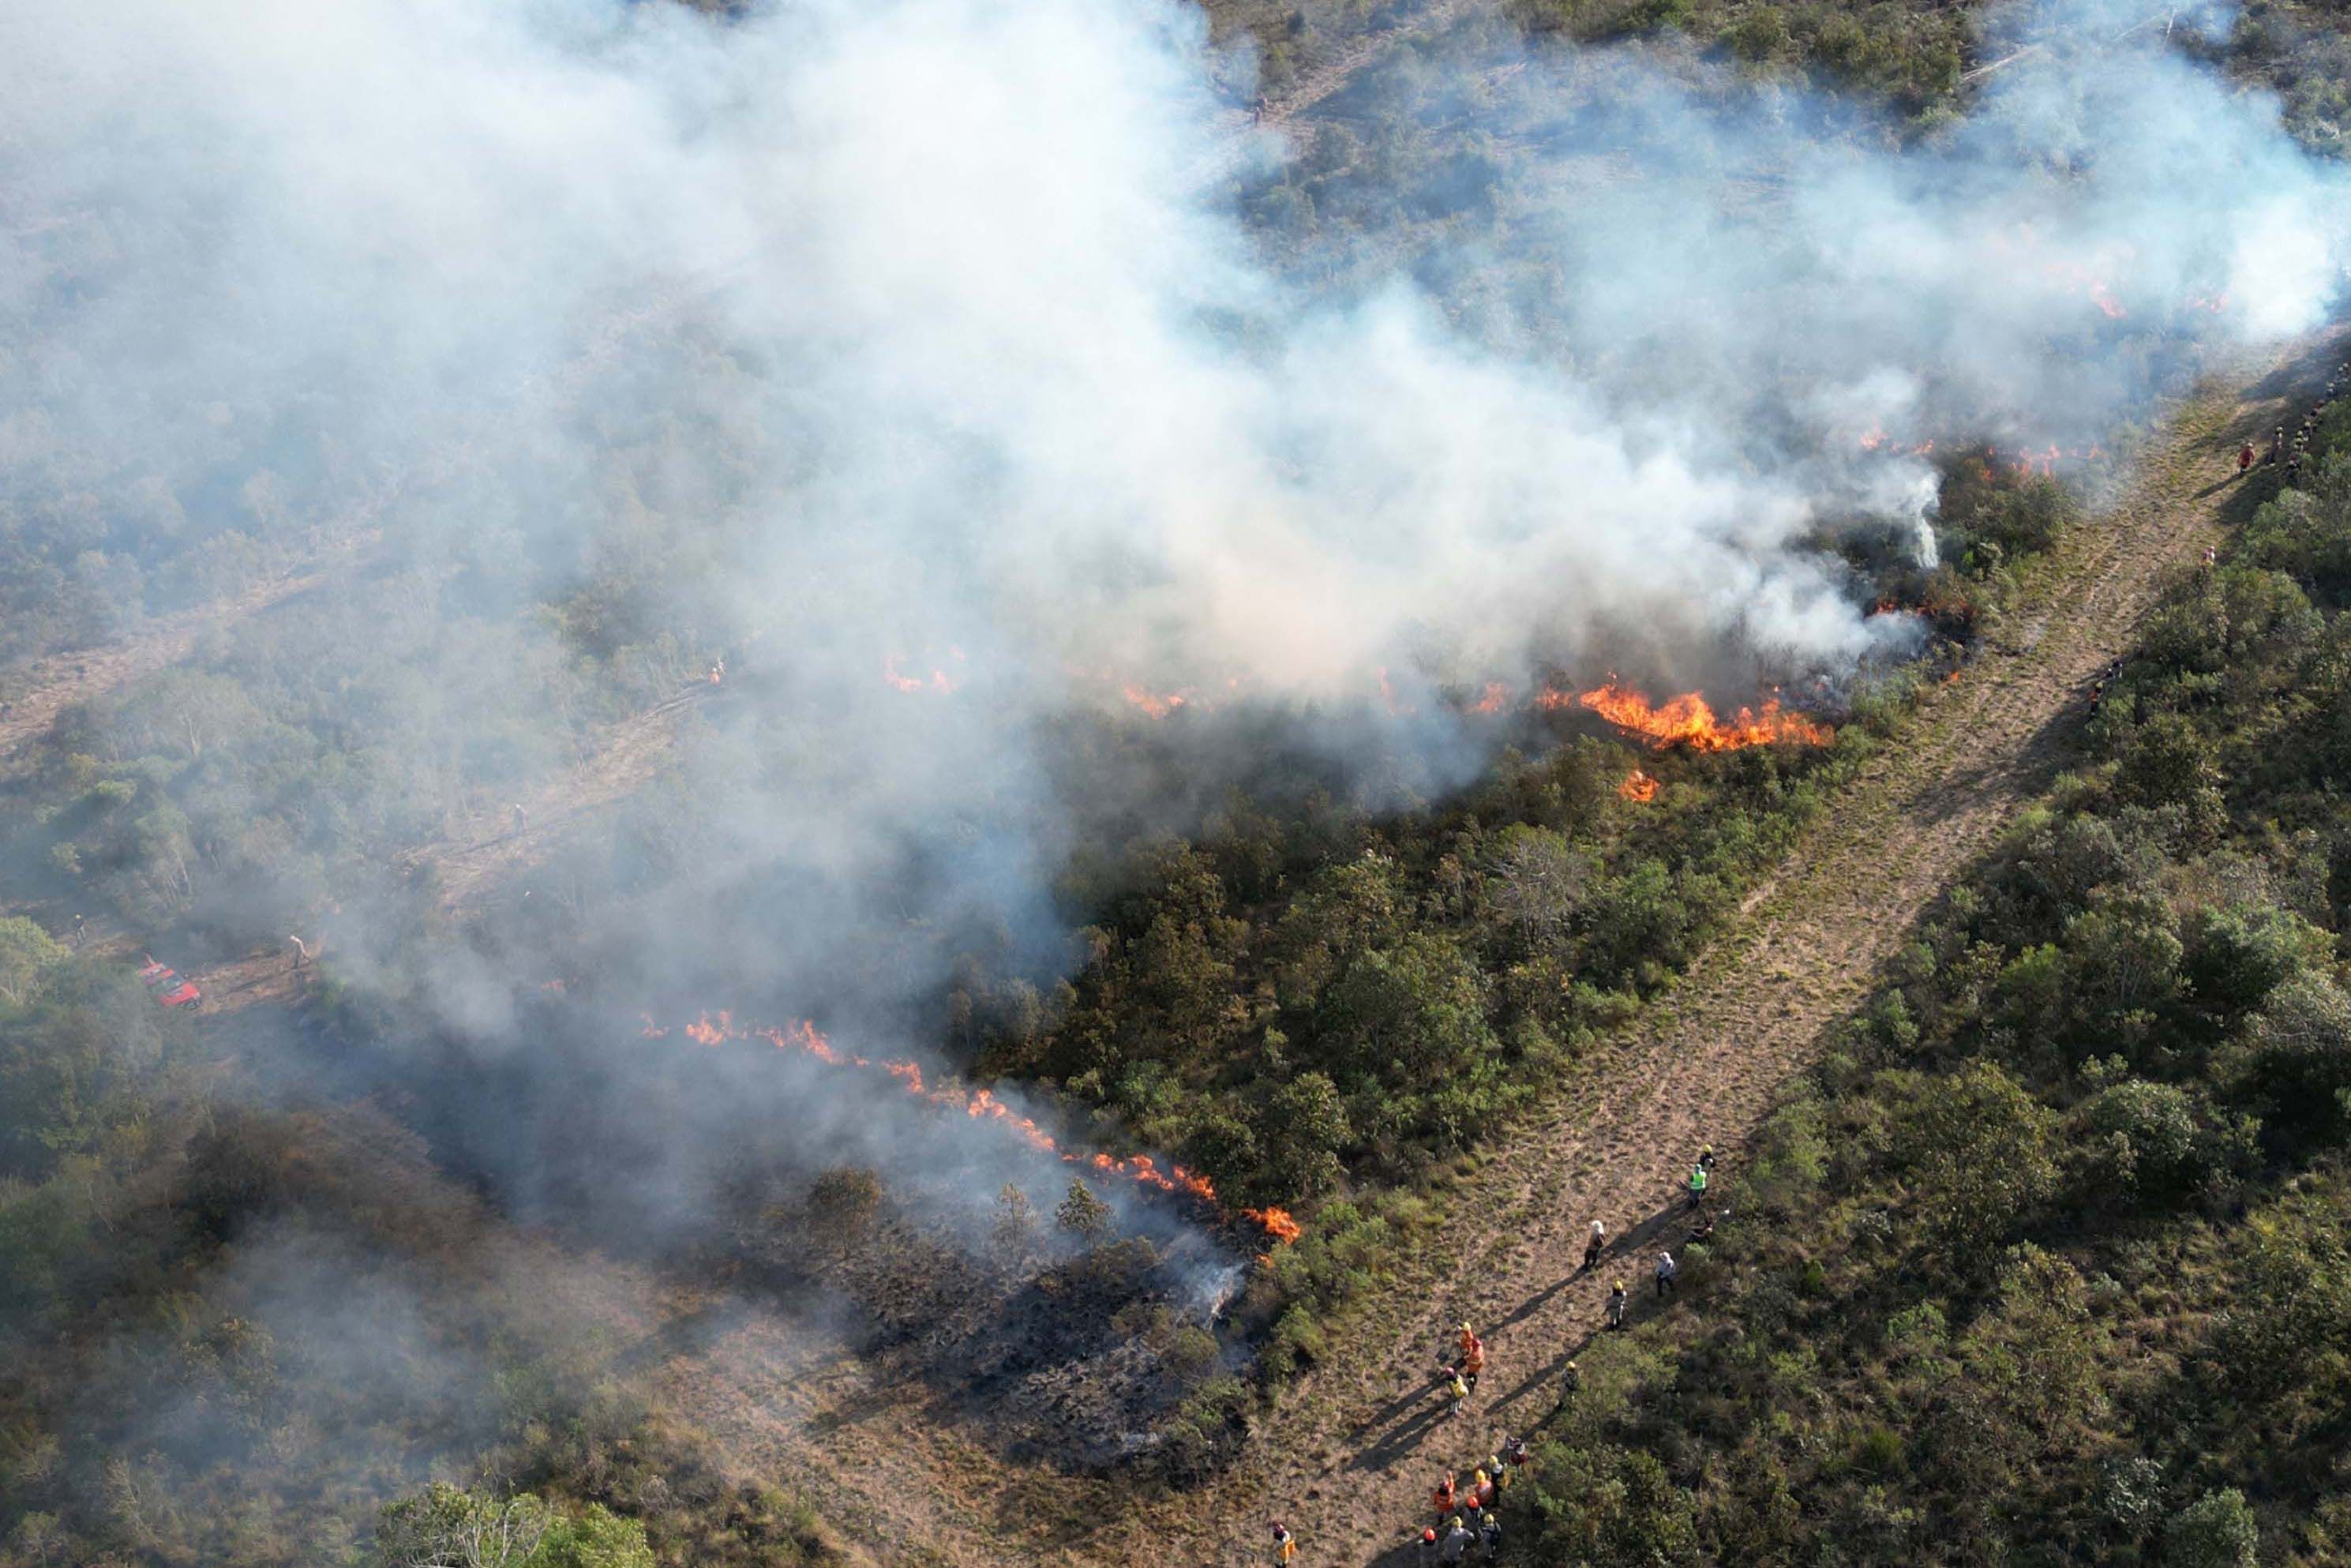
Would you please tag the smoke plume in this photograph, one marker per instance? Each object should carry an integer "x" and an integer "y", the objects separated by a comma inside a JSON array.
[{"x": 952, "y": 367}]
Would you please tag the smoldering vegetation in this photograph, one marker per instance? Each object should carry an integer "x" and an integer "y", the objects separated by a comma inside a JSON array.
[{"x": 1057, "y": 465}]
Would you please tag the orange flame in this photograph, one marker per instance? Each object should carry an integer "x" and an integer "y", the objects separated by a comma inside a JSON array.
[
  {"x": 1687, "y": 720},
  {"x": 979, "y": 1104},
  {"x": 940, "y": 682},
  {"x": 1638, "y": 787},
  {"x": 1877, "y": 440},
  {"x": 1390, "y": 700},
  {"x": 1158, "y": 705},
  {"x": 1496, "y": 698}
]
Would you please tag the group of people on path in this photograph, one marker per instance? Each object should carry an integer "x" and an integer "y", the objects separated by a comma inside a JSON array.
[
  {"x": 2291, "y": 454},
  {"x": 1469, "y": 1517}
]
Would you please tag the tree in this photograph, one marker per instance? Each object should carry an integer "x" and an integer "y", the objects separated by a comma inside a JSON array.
[
  {"x": 446, "y": 1527},
  {"x": 1538, "y": 884},
  {"x": 1411, "y": 1013},
  {"x": 27, "y": 954},
  {"x": 2300, "y": 1061},
  {"x": 1016, "y": 1223},
  {"x": 2172, "y": 762},
  {"x": 1979, "y": 1148},
  {"x": 2215, "y": 1531},
  {"x": 2149, "y": 1138},
  {"x": 1081, "y": 1213},
  {"x": 1302, "y": 1129}
]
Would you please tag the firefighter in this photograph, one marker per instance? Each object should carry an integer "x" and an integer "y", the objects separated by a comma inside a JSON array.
[
  {"x": 1500, "y": 1472},
  {"x": 1705, "y": 1159},
  {"x": 718, "y": 671},
  {"x": 301, "y": 954},
  {"x": 1428, "y": 1544},
  {"x": 1696, "y": 1184},
  {"x": 1443, "y": 1497},
  {"x": 1666, "y": 1269},
  {"x": 2245, "y": 458},
  {"x": 1514, "y": 1450},
  {"x": 1456, "y": 1542},
  {"x": 1473, "y": 1357},
  {"x": 1617, "y": 1305},
  {"x": 2277, "y": 446},
  {"x": 1593, "y": 1244},
  {"x": 1493, "y": 1536},
  {"x": 1571, "y": 1381},
  {"x": 1285, "y": 1545},
  {"x": 1457, "y": 1391},
  {"x": 521, "y": 818}
]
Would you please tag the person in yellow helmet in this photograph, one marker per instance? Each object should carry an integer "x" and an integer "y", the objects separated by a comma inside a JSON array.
[{"x": 1617, "y": 1305}]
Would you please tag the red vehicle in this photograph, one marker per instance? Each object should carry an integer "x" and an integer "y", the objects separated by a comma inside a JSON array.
[{"x": 169, "y": 989}]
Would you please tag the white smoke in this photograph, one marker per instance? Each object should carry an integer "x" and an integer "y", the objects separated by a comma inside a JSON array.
[{"x": 908, "y": 330}]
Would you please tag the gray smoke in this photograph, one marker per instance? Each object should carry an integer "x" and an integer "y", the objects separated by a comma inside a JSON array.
[{"x": 904, "y": 350}]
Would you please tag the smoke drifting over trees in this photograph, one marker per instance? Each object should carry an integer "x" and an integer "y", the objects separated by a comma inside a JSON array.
[{"x": 960, "y": 373}]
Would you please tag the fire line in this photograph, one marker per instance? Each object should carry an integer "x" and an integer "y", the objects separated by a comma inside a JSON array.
[{"x": 979, "y": 1104}]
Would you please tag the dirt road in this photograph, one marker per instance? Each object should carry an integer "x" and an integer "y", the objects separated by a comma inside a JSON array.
[
  {"x": 1355, "y": 1446},
  {"x": 52, "y": 684}
]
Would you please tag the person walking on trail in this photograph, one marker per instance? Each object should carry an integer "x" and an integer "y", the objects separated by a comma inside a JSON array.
[
  {"x": 1473, "y": 1358},
  {"x": 1617, "y": 1305},
  {"x": 1456, "y": 1542},
  {"x": 1666, "y": 1269},
  {"x": 1443, "y": 1497},
  {"x": 2245, "y": 458},
  {"x": 1593, "y": 1244},
  {"x": 1285, "y": 1545},
  {"x": 1696, "y": 1184},
  {"x": 1571, "y": 1383},
  {"x": 521, "y": 818},
  {"x": 1457, "y": 1391},
  {"x": 301, "y": 954}
]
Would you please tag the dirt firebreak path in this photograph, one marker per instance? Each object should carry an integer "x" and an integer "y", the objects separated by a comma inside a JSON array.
[{"x": 1348, "y": 1458}]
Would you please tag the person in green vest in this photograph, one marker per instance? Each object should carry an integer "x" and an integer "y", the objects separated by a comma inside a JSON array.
[{"x": 1697, "y": 1185}]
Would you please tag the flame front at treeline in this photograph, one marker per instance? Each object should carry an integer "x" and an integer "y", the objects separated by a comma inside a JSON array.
[
  {"x": 2021, "y": 463},
  {"x": 717, "y": 1029},
  {"x": 1687, "y": 720}
]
